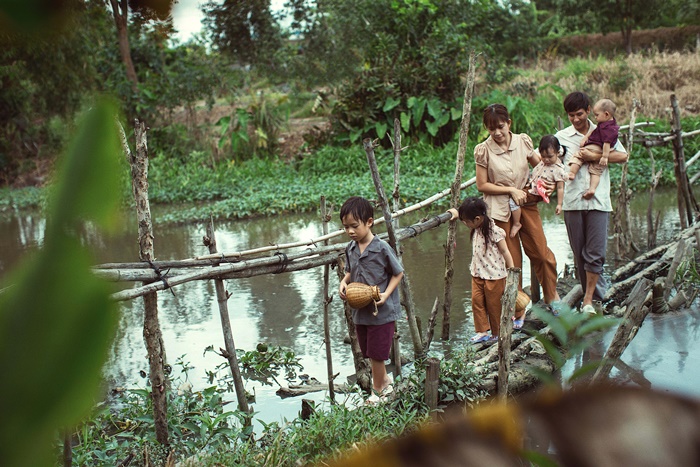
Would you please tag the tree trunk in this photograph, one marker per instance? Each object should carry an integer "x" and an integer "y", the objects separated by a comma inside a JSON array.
[
  {"x": 151, "y": 328},
  {"x": 627, "y": 37},
  {"x": 120, "y": 11}
]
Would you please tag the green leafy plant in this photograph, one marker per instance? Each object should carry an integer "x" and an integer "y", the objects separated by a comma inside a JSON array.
[
  {"x": 572, "y": 332},
  {"x": 122, "y": 427},
  {"x": 234, "y": 128}
]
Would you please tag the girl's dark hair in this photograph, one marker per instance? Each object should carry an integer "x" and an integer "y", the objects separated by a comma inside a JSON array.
[
  {"x": 551, "y": 142},
  {"x": 495, "y": 114},
  {"x": 472, "y": 207},
  {"x": 360, "y": 208}
]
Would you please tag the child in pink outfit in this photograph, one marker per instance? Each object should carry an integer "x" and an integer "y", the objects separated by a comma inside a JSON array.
[
  {"x": 601, "y": 139},
  {"x": 550, "y": 171}
]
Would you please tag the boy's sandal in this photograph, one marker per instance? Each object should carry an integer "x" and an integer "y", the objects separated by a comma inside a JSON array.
[
  {"x": 373, "y": 399},
  {"x": 479, "y": 337},
  {"x": 518, "y": 323},
  {"x": 589, "y": 309}
]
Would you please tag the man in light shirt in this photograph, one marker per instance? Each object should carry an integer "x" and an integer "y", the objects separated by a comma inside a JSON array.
[{"x": 586, "y": 219}]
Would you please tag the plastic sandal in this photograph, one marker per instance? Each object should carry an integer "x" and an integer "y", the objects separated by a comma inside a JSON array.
[
  {"x": 588, "y": 309},
  {"x": 479, "y": 337},
  {"x": 518, "y": 323},
  {"x": 555, "y": 307},
  {"x": 373, "y": 399}
]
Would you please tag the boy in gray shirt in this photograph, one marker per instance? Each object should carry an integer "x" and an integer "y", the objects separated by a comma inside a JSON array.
[{"x": 372, "y": 262}]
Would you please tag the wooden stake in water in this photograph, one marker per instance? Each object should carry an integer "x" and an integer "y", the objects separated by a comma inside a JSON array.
[
  {"x": 404, "y": 289},
  {"x": 325, "y": 218},
  {"x": 222, "y": 297},
  {"x": 504, "y": 336},
  {"x": 455, "y": 192}
]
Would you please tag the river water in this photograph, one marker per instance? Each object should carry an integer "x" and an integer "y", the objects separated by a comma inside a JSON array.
[{"x": 286, "y": 309}]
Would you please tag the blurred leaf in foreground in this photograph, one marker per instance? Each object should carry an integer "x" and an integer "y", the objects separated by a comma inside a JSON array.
[{"x": 56, "y": 320}]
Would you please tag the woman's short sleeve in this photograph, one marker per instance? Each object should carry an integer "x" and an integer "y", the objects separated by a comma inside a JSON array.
[
  {"x": 481, "y": 155},
  {"x": 527, "y": 144}
]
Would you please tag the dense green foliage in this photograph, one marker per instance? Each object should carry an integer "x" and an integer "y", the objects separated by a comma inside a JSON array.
[
  {"x": 406, "y": 61},
  {"x": 201, "y": 425},
  {"x": 234, "y": 190}
]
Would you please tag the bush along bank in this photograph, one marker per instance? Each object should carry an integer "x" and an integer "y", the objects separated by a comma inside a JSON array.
[{"x": 236, "y": 190}]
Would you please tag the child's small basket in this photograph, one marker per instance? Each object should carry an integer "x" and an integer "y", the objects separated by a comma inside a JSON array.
[
  {"x": 521, "y": 301},
  {"x": 360, "y": 295}
]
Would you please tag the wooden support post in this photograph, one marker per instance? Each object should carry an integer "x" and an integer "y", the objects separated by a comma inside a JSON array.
[
  {"x": 432, "y": 321},
  {"x": 395, "y": 195},
  {"x": 432, "y": 382},
  {"x": 658, "y": 301},
  {"x": 506, "y": 329},
  {"x": 455, "y": 195},
  {"x": 229, "y": 353},
  {"x": 396, "y": 354},
  {"x": 151, "y": 328},
  {"x": 404, "y": 288},
  {"x": 652, "y": 226},
  {"x": 630, "y": 324},
  {"x": 325, "y": 218},
  {"x": 687, "y": 206},
  {"x": 621, "y": 215},
  {"x": 362, "y": 366},
  {"x": 307, "y": 409},
  {"x": 396, "y": 205},
  {"x": 673, "y": 268}
]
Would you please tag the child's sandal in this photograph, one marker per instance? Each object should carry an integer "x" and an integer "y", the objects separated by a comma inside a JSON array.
[
  {"x": 479, "y": 337},
  {"x": 518, "y": 323}
]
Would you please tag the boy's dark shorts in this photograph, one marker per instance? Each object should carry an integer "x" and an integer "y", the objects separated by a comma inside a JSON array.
[{"x": 375, "y": 341}]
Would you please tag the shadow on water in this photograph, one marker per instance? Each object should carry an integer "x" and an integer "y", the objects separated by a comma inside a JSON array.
[{"x": 286, "y": 309}]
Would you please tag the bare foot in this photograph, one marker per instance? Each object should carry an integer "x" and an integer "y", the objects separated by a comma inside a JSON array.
[
  {"x": 515, "y": 229},
  {"x": 589, "y": 194}
]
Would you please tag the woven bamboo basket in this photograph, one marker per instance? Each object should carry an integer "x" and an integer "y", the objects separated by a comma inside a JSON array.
[
  {"x": 521, "y": 301},
  {"x": 360, "y": 295}
]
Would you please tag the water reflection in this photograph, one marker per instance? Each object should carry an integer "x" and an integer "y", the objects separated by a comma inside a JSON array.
[{"x": 286, "y": 309}]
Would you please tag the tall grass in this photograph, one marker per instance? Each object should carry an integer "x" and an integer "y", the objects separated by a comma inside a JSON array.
[{"x": 649, "y": 77}]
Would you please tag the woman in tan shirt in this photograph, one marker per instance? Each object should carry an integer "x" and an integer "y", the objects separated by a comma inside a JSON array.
[{"x": 501, "y": 174}]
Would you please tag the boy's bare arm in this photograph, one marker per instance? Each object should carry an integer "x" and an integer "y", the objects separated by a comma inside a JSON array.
[
  {"x": 343, "y": 285},
  {"x": 393, "y": 283}
]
